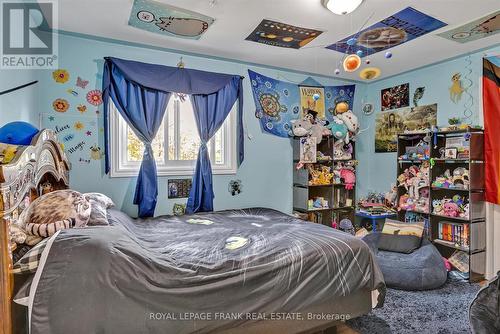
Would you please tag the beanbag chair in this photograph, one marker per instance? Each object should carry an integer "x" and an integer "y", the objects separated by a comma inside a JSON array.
[
  {"x": 422, "y": 269},
  {"x": 17, "y": 133},
  {"x": 484, "y": 312}
]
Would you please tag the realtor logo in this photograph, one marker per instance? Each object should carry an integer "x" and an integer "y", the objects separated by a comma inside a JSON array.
[{"x": 27, "y": 37}]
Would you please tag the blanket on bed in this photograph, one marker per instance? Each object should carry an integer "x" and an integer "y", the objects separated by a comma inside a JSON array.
[{"x": 198, "y": 273}]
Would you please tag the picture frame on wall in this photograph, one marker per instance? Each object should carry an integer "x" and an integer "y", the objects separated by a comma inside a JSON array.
[{"x": 179, "y": 188}]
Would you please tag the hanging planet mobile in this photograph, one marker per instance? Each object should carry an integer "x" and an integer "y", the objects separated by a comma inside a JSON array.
[{"x": 351, "y": 63}]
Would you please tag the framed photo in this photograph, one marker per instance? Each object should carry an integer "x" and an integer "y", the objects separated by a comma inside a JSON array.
[
  {"x": 451, "y": 153},
  {"x": 308, "y": 149},
  {"x": 179, "y": 188}
]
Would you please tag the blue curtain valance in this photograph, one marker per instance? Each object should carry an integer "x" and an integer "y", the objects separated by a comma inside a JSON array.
[{"x": 140, "y": 91}]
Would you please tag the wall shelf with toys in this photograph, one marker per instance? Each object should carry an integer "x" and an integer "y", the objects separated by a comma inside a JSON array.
[
  {"x": 446, "y": 189},
  {"x": 324, "y": 191}
]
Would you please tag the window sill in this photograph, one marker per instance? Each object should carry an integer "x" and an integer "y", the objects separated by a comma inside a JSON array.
[{"x": 175, "y": 172}]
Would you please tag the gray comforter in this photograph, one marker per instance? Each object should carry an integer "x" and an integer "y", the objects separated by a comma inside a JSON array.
[{"x": 200, "y": 273}]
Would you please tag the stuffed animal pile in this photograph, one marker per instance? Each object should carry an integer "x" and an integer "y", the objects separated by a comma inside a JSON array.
[
  {"x": 458, "y": 180},
  {"x": 415, "y": 180},
  {"x": 343, "y": 128},
  {"x": 457, "y": 207}
]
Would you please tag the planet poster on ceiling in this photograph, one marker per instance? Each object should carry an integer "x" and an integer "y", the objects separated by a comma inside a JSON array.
[
  {"x": 396, "y": 29},
  {"x": 284, "y": 35},
  {"x": 167, "y": 20},
  {"x": 486, "y": 26},
  {"x": 312, "y": 98}
]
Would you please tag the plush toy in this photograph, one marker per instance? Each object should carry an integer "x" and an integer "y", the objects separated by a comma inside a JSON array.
[
  {"x": 451, "y": 209},
  {"x": 7, "y": 153},
  {"x": 349, "y": 178},
  {"x": 351, "y": 122},
  {"x": 317, "y": 131},
  {"x": 437, "y": 206},
  {"x": 301, "y": 128},
  {"x": 339, "y": 130}
]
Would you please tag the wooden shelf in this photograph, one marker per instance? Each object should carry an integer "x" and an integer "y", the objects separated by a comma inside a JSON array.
[{"x": 451, "y": 245}]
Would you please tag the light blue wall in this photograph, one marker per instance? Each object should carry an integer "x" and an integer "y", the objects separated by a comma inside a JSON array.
[
  {"x": 21, "y": 104},
  {"x": 266, "y": 173},
  {"x": 377, "y": 171}
]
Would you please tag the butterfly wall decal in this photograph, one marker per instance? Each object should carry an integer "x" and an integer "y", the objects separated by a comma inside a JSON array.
[{"x": 81, "y": 83}]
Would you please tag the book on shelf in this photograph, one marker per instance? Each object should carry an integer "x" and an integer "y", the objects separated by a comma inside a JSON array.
[{"x": 458, "y": 234}]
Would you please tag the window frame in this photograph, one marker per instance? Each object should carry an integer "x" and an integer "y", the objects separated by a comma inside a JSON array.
[{"x": 121, "y": 167}]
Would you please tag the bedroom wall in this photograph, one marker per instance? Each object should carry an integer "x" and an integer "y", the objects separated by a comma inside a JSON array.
[
  {"x": 21, "y": 104},
  {"x": 380, "y": 172},
  {"x": 266, "y": 173}
]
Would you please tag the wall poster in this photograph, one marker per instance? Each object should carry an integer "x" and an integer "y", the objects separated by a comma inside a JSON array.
[{"x": 389, "y": 123}]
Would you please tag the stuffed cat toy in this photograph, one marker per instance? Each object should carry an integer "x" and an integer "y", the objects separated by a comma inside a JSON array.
[{"x": 55, "y": 211}]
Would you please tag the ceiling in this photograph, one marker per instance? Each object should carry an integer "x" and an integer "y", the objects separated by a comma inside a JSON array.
[{"x": 236, "y": 19}]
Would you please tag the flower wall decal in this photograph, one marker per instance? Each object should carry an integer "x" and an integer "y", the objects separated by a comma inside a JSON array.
[
  {"x": 94, "y": 97},
  {"x": 60, "y": 76},
  {"x": 60, "y": 105}
]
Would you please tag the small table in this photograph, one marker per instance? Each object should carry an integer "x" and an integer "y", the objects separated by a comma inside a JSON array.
[{"x": 374, "y": 218}]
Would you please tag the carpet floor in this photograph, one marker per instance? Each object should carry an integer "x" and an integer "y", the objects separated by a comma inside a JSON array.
[{"x": 441, "y": 311}]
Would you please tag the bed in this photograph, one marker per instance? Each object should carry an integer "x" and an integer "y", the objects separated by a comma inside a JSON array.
[{"x": 236, "y": 271}]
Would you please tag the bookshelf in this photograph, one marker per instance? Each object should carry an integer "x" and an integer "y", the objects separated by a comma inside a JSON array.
[
  {"x": 341, "y": 201},
  {"x": 457, "y": 179}
]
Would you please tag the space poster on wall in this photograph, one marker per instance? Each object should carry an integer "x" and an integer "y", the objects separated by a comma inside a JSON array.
[
  {"x": 396, "y": 29},
  {"x": 278, "y": 103},
  {"x": 389, "y": 123},
  {"x": 283, "y": 35},
  {"x": 167, "y": 20}
]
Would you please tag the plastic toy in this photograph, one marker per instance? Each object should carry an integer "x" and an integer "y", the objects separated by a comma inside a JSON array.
[{"x": 17, "y": 133}]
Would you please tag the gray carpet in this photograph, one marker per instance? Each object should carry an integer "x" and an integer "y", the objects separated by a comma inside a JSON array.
[{"x": 441, "y": 311}]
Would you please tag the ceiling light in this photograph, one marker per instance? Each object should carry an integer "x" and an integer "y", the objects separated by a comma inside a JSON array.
[{"x": 342, "y": 7}]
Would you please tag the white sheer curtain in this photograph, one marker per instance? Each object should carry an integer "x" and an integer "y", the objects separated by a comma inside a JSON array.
[{"x": 492, "y": 239}]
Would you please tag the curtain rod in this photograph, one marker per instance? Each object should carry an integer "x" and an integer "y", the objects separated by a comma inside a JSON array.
[{"x": 18, "y": 87}]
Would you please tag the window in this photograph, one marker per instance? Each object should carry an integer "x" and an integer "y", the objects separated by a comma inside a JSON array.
[{"x": 175, "y": 146}]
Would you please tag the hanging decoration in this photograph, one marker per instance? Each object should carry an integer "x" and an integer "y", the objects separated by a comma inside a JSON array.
[
  {"x": 370, "y": 73},
  {"x": 278, "y": 103},
  {"x": 351, "y": 63}
]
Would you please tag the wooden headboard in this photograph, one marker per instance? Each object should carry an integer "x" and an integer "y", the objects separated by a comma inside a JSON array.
[{"x": 21, "y": 181}]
